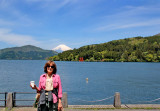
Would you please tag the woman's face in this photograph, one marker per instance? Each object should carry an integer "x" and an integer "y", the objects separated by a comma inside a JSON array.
[{"x": 50, "y": 68}]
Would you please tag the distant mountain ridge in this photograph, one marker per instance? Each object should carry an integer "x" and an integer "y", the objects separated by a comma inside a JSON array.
[
  {"x": 136, "y": 49},
  {"x": 157, "y": 34},
  {"x": 27, "y": 52}
]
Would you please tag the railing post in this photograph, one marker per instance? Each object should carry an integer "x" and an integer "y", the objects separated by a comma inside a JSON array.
[
  {"x": 5, "y": 99},
  {"x": 14, "y": 99},
  {"x": 64, "y": 100},
  {"x": 9, "y": 103},
  {"x": 117, "y": 101}
]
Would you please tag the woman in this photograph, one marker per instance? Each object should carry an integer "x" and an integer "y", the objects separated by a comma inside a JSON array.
[{"x": 50, "y": 89}]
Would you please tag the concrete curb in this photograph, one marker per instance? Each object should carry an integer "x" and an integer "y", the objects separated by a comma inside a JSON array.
[
  {"x": 138, "y": 107},
  {"x": 122, "y": 106}
]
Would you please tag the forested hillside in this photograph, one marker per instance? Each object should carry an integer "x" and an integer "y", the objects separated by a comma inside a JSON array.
[
  {"x": 137, "y": 49},
  {"x": 27, "y": 52}
]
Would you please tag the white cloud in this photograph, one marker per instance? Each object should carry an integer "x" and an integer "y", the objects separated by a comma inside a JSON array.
[
  {"x": 10, "y": 38},
  {"x": 4, "y": 4},
  {"x": 11, "y": 14},
  {"x": 128, "y": 25},
  {"x": 130, "y": 17},
  {"x": 52, "y": 5},
  {"x": 65, "y": 2},
  {"x": 16, "y": 39},
  {"x": 5, "y": 23},
  {"x": 134, "y": 12}
]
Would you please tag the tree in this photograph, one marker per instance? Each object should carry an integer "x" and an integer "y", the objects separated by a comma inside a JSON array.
[
  {"x": 149, "y": 57},
  {"x": 97, "y": 56},
  {"x": 132, "y": 57},
  {"x": 70, "y": 57},
  {"x": 124, "y": 56},
  {"x": 55, "y": 58}
]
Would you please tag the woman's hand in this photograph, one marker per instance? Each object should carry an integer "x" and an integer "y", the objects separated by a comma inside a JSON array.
[
  {"x": 60, "y": 107},
  {"x": 35, "y": 87}
]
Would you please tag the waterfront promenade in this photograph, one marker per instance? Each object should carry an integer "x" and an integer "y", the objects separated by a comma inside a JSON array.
[
  {"x": 128, "y": 107},
  {"x": 68, "y": 109}
]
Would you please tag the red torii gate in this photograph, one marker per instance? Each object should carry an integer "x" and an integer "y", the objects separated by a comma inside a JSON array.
[{"x": 81, "y": 59}]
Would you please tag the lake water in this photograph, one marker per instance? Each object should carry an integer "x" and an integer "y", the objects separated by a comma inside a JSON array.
[{"x": 138, "y": 83}]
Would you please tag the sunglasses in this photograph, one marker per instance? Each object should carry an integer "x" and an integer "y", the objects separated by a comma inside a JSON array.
[{"x": 51, "y": 66}]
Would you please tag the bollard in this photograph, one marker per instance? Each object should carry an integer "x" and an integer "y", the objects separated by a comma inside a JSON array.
[
  {"x": 117, "y": 101},
  {"x": 64, "y": 100},
  {"x": 9, "y": 103}
]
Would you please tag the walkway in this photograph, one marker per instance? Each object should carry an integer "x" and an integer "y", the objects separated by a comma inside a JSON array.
[
  {"x": 128, "y": 107},
  {"x": 68, "y": 109}
]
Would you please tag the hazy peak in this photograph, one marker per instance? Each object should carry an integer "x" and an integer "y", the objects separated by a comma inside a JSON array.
[{"x": 157, "y": 34}]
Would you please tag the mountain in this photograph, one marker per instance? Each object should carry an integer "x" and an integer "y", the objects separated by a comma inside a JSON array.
[
  {"x": 61, "y": 48},
  {"x": 136, "y": 49},
  {"x": 27, "y": 52},
  {"x": 157, "y": 34}
]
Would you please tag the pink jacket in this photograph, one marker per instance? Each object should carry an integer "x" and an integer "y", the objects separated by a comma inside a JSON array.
[{"x": 56, "y": 84}]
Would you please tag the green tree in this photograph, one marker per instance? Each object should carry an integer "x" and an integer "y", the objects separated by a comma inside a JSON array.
[
  {"x": 55, "y": 58},
  {"x": 132, "y": 57},
  {"x": 149, "y": 57},
  {"x": 124, "y": 56},
  {"x": 97, "y": 56},
  {"x": 71, "y": 57}
]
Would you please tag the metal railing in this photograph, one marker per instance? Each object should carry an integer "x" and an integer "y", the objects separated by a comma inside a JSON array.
[
  {"x": 5, "y": 98},
  {"x": 14, "y": 99}
]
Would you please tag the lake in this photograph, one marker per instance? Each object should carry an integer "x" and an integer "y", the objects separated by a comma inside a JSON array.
[{"x": 138, "y": 83}]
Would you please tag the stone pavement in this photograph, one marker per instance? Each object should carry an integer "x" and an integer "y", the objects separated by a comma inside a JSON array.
[
  {"x": 70, "y": 109},
  {"x": 128, "y": 107}
]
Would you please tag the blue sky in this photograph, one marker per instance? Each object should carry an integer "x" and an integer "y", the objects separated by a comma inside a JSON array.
[{"x": 75, "y": 23}]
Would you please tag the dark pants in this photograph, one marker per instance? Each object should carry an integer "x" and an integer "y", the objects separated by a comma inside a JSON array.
[{"x": 49, "y": 106}]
